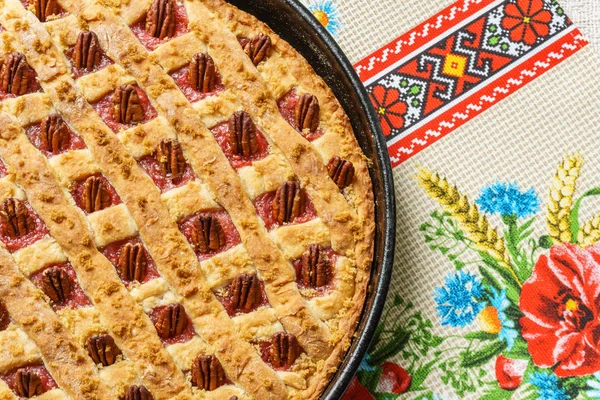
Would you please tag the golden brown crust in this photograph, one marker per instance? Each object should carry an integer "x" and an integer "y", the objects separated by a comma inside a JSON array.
[
  {"x": 125, "y": 320},
  {"x": 323, "y": 324},
  {"x": 65, "y": 359},
  {"x": 171, "y": 252},
  {"x": 344, "y": 144},
  {"x": 209, "y": 162}
]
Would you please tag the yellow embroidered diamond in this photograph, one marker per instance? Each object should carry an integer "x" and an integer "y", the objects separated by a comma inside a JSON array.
[
  {"x": 381, "y": 110},
  {"x": 527, "y": 20},
  {"x": 455, "y": 65}
]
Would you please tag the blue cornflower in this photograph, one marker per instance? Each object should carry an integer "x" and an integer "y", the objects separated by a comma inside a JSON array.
[
  {"x": 458, "y": 302},
  {"x": 506, "y": 199},
  {"x": 326, "y": 12},
  {"x": 548, "y": 386},
  {"x": 594, "y": 387},
  {"x": 501, "y": 303},
  {"x": 365, "y": 364}
]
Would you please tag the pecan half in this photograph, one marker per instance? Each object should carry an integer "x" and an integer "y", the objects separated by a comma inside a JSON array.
[
  {"x": 289, "y": 202},
  {"x": 202, "y": 73},
  {"x": 285, "y": 349},
  {"x": 16, "y": 220},
  {"x": 45, "y": 8},
  {"x": 245, "y": 292},
  {"x": 307, "y": 113},
  {"x": 4, "y": 317},
  {"x": 132, "y": 262},
  {"x": 316, "y": 267},
  {"x": 242, "y": 134},
  {"x": 57, "y": 284},
  {"x": 258, "y": 48},
  {"x": 160, "y": 19},
  {"x": 171, "y": 321},
  {"x": 341, "y": 171},
  {"x": 138, "y": 393},
  {"x": 15, "y": 74},
  {"x": 233, "y": 398},
  {"x": 170, "y": 159},
  {"x": 28, "y": 383},
  {"x": 207, "y": 373},
  {"x": 207, "y": 234},
  {"x": 95, "y": 195},
  {"x": 54, "y": 134},
  {"x": 87, "y": 53},
  {"x": 126, "y": 105},
  {"x": 103, "y": 350}
]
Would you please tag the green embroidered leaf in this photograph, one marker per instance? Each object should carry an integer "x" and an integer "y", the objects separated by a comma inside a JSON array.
[
  {"x": 370, "y": 379},
  {"x": 521, "y": 230},
  {"x": 500, "y": 279},
  {"x": 386, "y": 396},
  {"x": 470, "y": 359},
  {"x": 574, "y": 217},
  {"x": 391, "y": 348},
  {"x": 519, "y": 350},
  {"x": 497, "y": 394},
  {"x": 419, "y": 376},
  {"x": 483, "y": 336}
]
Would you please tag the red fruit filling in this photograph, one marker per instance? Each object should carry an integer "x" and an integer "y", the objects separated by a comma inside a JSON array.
[
  {"x": 187, "y": 334},
  {"x": 30, "y": 238},
  {"x": 48, "y": 382},
  {"x": 226, "y": 298},
  {"x": 164, "y": 183},
  {"x": 150, "y": 42},
  {"x": 113, "y": 251},
  {"x": 263, "y": 204},
  {"x": 75, "y": 142},
  {"x": 182, "y": 80},
  {"x": 287, "y": 108},
  {"x": 332, "y": 256},
  {"x": 221, "y": 133},
  {"x": 77, "y": 193},
  {"x": 232, "y": 237},
  {"x": 78, "y": 73},
  {"x": 104, "y": 108},
  {"x": 76, "y": 298}
]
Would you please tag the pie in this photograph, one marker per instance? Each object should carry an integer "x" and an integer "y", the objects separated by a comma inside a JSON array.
[{"x": 184, "y": 209}]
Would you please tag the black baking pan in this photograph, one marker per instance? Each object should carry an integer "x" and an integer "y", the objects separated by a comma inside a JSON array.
[{"x": 294, "y": 23}]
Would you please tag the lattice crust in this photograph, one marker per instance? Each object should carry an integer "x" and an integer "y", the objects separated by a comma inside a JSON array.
[
  {"x": 322, "y": 322},
  {"x": 34, "y": 323}
]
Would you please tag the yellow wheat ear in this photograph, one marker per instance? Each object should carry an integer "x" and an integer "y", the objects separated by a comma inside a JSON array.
[
  {"x": 561, "y": 198},
  {"x": 475, "y": 225},
  {"x": 589, "y": 234}
]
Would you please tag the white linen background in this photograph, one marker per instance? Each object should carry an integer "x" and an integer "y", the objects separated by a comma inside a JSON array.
[{"x": 586, "y": 14}]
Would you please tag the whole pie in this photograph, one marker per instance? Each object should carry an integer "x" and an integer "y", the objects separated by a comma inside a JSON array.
[{"x": 184, "y": 209}]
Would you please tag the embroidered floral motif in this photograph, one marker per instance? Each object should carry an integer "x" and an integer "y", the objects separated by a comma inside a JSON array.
[
  {"x": 390, "y": 108},
  {"x": 506, "y": 199},
  {"x": 536, "y": 301},
  {"x": 559, "y": 303},
  {"x": 527, "y": 21},
  {"x": 459, "y": 301},
  {"x": 327, "y": 13},
  {"x": 548, "y": 386}
]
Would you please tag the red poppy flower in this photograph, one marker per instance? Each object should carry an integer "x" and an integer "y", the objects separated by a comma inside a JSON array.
[
  {"x": 390, "y": 108},
  {"x": 527, "y": 21},
  {"x": 510, "y": 372},
  {"x": 356, "y": 391},
  {"x": 561, "y": 304},
  {"x": 394, "y": 379}
]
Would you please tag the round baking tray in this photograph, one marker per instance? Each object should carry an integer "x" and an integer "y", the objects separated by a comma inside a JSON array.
[{"x": 294, "y": 23}]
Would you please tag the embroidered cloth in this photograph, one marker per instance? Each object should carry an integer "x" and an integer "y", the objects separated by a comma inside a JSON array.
[{"x": 490, "y": 110}]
